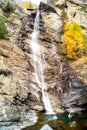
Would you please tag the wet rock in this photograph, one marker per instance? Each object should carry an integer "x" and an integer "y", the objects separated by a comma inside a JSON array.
[{"x": 50, "y": 58}]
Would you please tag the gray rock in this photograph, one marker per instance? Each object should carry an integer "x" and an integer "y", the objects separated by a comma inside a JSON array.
[
  {"x": 46, "y": 127},
  {"x": 77, "y": 14},
  {"x": 51, "y": 2},
  {"x": 80, "y": 2},
  {"x": 5, "y": 1}
]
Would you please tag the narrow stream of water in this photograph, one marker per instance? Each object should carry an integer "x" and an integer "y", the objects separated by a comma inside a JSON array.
[{"x": 38, "y": 64}]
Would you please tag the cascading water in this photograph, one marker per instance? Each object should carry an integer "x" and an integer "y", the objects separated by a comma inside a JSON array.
[
  {"x": 46, "y": 102},
  {"x": 38, "y": 65}
]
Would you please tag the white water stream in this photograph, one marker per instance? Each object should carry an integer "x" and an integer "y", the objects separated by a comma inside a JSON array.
[{"x": 38, "y": 64}]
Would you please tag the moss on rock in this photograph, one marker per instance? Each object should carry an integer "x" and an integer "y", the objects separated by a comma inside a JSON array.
[{"x": 3, "y": 29}]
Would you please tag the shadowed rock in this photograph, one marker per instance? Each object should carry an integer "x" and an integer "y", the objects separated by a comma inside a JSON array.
[{"x": 46, "y": 8}]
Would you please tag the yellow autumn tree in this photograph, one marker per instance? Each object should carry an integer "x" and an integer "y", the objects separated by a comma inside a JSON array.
[
  {"x": 28, "y": 5},
  {"x": 73, "y": 38}
]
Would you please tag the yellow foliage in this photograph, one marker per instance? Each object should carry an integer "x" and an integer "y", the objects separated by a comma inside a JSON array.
[
  {"x": 28, "y": 5},
  {"x": 73, "y": 38}
]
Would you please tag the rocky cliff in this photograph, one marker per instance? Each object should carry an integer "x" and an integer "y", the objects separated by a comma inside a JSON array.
[{"x": 66, "y": 84}]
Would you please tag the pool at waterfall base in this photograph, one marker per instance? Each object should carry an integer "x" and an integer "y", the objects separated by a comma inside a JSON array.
[{"x": 65, "y": 121}]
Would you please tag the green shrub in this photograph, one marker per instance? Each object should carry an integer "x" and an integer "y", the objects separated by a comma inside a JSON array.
[
  {"x": 9, "y": 7},
  {"x": 63, "y": 15},
  {"x": 1, "y": 5},
  {"x": 3, "y": 29}
]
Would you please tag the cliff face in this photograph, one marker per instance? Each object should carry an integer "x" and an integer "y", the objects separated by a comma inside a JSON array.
[
  {"x": 20, "y": 95},
  {"x": 15, "y": 109},
  {"x": 73, "y": 75}
]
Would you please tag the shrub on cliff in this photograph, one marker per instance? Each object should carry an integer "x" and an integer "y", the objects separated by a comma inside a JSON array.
[
  {"x": 3, "y": 29},
  {"x": 74, "y": 40},
  {"x": 9, "y": 7}
]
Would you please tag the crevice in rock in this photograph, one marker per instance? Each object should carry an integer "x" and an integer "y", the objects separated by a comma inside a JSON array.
[{"x": 5, "y": 72}]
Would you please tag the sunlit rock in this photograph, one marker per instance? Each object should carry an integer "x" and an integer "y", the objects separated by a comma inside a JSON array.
[
  {"x": 46, "y": 127},
  {"x": 79, "y": 2}
]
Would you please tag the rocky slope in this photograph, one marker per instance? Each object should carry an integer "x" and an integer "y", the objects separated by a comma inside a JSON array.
[{"x": 20, "y": 95}]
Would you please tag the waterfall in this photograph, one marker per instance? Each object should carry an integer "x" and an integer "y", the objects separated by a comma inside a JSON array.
[
  {"x": 38, "y": 64},
  {"x": 46, "y": 102}
]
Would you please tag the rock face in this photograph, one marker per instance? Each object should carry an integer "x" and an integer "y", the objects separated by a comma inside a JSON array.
[
  {"x": 53, "y": 20},
  {"x": 50, "y": 61},
  {"x": 74, "y": 89},
  {"x": 13, "y": 20},
  {"x": 81, "y": 2},
  {"x": 20, "y": 95},
  {"x": 14, "y": 92},
  {"x": 78, "y": 14},
  {"x": 16, "y": 100}
]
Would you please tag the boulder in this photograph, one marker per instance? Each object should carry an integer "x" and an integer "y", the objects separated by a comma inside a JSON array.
[{"x": 46, "y": 127}]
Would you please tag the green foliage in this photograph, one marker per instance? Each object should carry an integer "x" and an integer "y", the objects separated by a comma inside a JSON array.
[
  {"x": 85, "y": 43},
  {"x": 3, "y": 29},
  {"x": 84, "y": 9},
  {"x": 4, "y": 18},
  {"x": 63, "y": 15},
  {"x": 1, "y": 5},
  {"x": 9, "y": 7}
]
